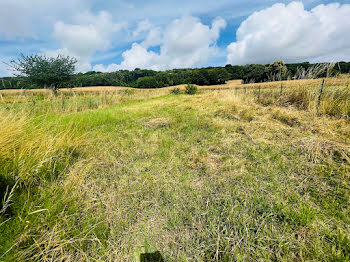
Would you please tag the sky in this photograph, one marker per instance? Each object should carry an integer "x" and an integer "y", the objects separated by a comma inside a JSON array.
[{"x": 111, "y": 35}]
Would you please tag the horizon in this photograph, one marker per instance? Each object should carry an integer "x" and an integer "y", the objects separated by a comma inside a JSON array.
[{"x": 165, "y": 36}]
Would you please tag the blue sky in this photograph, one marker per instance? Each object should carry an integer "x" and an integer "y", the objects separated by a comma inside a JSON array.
[{"x": 113, "y": 35}]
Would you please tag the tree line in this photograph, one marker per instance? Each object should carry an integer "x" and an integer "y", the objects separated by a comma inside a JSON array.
[{"x": 41, "y": 72}]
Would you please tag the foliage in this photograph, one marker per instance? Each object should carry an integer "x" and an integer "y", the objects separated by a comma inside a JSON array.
[
  {"x": 203, "y": 76},
  {"x": 175, "y": 91},
  {"x": 236, "y": 72},
  {"x": 45, "y": 72},
  {"x": 293, "y": 68},
  {"x": 209, "y": 76},
  {"x": 147, "y": 82},
  {"x": 255, "y": 73},
  {"x": 191, "y": 89},
  {"x": 278, "y": 71}
]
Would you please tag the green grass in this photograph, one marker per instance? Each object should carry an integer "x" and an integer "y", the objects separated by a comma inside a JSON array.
[{"x": 209, "y": 177}]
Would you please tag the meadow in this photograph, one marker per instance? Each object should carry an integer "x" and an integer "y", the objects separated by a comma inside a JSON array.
[{"x": 235, "y": 172}]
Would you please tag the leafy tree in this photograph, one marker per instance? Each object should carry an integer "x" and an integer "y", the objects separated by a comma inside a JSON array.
[
  {"x": 278, "y": 70},
  {"x": 218, "y": 76},
  {"x": 293, "y": 68},
  {"x": 203, "y": 76},
  {"x": 200, "y": 77},
  {"x": 45, "y": 72},
  {"x": 255, "y": 73},
  {"x": 162, "y": 79},
  {"x": 147, "y": 82},
  {"x": 236, "y": 72},
  {"x": 343, "y": 67}
]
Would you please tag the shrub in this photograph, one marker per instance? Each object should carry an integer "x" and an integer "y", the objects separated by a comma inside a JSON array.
[
  {"x": 191, "y": 89},
  {"x": 175, "y": 91}
]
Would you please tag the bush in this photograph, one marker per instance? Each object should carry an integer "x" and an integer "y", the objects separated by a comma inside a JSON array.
[
  {"x": 175, "y": 91},
  {"x": 191, "y": 89}
]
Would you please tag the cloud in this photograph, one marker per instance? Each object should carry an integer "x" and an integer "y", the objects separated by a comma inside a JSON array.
[
  {"x": 26, "y": 19},
  {"x": 4, "y": 70},
  {"x": 142, "y": 26},
  {"x": 92, "y": 33},
  {"x": 185, "y": 42},
  {"x": 294, "y": 34},
  {"x": 154, "y": 37},
  {"x": 81, "y": 40}
]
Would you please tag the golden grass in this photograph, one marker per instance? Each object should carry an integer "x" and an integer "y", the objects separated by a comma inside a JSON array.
[
  {"x": 211, "y": 177},
  {"x": 75, "y": 89},
  {"x": 342, "y": 80}
]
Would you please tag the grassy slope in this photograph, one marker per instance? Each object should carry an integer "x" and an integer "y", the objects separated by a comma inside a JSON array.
[{"x": 207, "y": 177}]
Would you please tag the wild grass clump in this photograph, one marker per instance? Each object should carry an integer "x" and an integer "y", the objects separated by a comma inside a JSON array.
[
  {"x": 334, "y": 100},
  {"x": 175, "y": 91},
  {"x": 315, "y": 71},
  {"x": 191, "y": 89},
  {"x": 31, "y": 153},
  {"x": 34, "y": 160}
]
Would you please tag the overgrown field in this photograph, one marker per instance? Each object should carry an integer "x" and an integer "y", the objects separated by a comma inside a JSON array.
[{"x": 222, "y": 175}]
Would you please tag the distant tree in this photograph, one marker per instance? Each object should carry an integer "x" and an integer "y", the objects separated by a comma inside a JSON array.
[
  {"x": 293, "y": 68},
  {"x": 255, "y": 73},
  {"x": 147, "y": 82},
  {"x": 92, "y": 73},
  {"x": 236, "y": 72},
  {"x": 343, "y": 67},
  {"x": 144, "y": 78},
  {"x": 162, "y": 79},
  {"x": 200, "y": 77},
  {"x": 45, "y": 72},
  {"x": 218, "y": 76},
  {"x": 278, "y": 70}
]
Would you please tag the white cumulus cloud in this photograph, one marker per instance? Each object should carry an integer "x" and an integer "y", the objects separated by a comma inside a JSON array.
[
  {"x": 81, "y": 40},
  {"x": 294, "y": 34},
  {"x": 185, "y": 42},
  {"x": 27, "y": 19},
  {"x": 142, "y": 26}
]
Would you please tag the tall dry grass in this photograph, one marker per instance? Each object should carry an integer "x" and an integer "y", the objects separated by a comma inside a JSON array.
[
  {"x": 211, "y": 177},
  {"x": 306, "y": 95}
]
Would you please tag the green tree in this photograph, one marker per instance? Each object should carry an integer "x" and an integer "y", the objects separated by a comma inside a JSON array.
[
  {"x": 255, "y": 73},
  {"x": 45, "y": 72},
  {"x": 218, "y": 76},
  {"x": 278, "y": 70},
  {"x": 200, "y": 77},
  {"x": 236, "y": 72},
  {"x": 147, "y": 82}
]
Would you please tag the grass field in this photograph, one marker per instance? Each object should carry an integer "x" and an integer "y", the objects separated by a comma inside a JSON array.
[{"x": 223, "y": 175}]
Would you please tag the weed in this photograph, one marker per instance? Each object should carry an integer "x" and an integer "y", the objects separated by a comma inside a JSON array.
[
  {"x": 191, "y": 89},
  {"x": 175, "y": 91}
]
